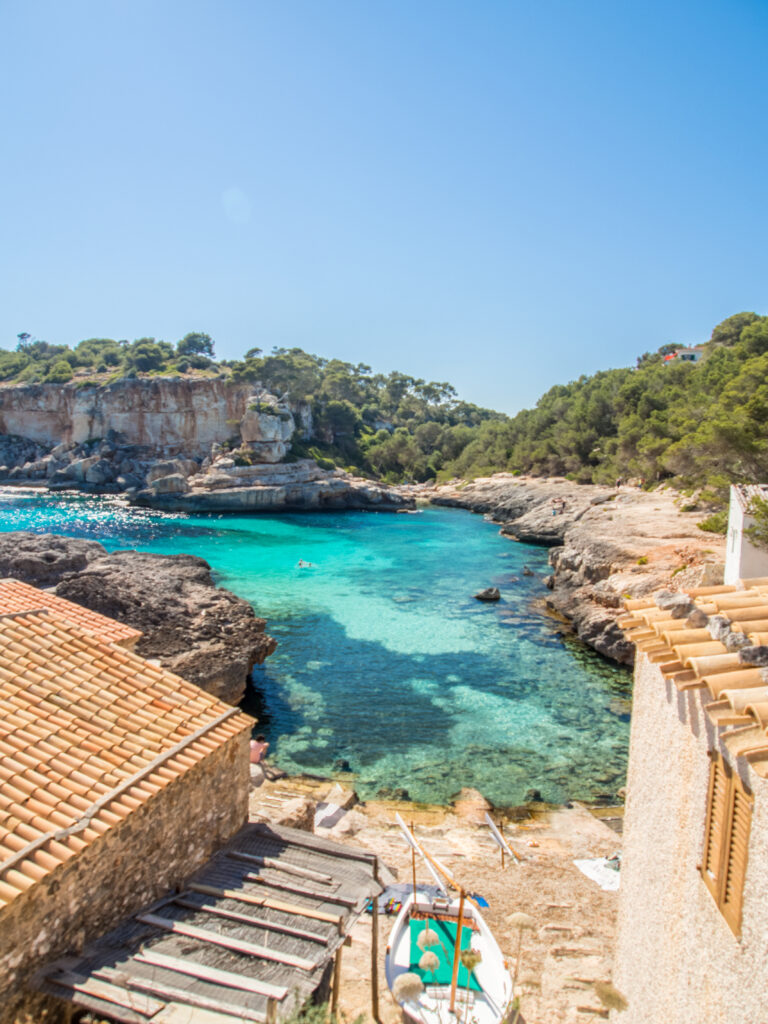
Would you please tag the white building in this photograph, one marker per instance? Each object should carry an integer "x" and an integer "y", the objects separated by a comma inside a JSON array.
[
  {"x": 743, "y": 560},
  {"x": 686, "y": 355}
]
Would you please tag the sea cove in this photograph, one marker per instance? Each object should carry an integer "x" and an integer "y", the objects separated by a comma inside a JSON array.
[{"x": 386, "y": 665}]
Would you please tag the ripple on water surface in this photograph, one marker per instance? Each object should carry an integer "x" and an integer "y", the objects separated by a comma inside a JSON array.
[{"x": 385, "y": 662}]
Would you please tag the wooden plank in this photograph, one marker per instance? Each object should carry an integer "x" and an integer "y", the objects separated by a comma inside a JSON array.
[
  {"x": 324, "y": 847},
  {"x": 336, "y": 983},
  {"x": 375, "y": 960},
  {"x": 267, "y": 901},
  {"x": 116, "y": 994},
  {"x": 257, "y": 922},
  {"x": 499, "y": 837},
  {"x": 165, "y": 991},
  {"x": 229, "y": 942},
  {"x": 183, "y": 1013},
  {"x": 300, "y": 890},
  {"x": 213, "y": 974},
  {"x": 99, "y": 1007},
  {"x": 281, "y": 865}
]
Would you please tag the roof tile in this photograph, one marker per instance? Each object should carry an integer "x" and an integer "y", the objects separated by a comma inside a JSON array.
[
  {"x": 693, "y": 658},
  {"x": 16, "y": 596},
  {"x": 79, "y": 717}
]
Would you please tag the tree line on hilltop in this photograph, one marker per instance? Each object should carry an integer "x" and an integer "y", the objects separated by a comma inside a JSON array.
[{"x": 697, "y": 425}]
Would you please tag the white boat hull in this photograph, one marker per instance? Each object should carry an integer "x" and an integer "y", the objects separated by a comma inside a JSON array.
[{"x": 490, "y": 1005}]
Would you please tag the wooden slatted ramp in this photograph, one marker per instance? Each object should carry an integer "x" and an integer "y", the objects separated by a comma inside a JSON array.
[{"x": 259, "y": 923}]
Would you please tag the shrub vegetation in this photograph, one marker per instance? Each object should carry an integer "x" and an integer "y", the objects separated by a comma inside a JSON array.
[{"x": 698, "y": 425}]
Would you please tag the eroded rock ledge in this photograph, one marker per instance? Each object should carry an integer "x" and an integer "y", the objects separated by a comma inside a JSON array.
[
  {"x": 203, "y": 633},
  {"x": 606, "y": 544}
]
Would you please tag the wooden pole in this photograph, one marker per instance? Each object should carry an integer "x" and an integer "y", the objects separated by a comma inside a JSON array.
[
  {"x": 456, "y": 951},
  {"x": 413, "y": 867},
  {"x": 375, "y": 960},
  {"x": 336, "y": 982},
  {"x": 449, "y": 878}
]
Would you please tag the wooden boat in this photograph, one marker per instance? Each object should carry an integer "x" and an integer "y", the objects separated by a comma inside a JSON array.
[
  {"x": 445, "y": 991},
  {"x": 450, "y": 993}
]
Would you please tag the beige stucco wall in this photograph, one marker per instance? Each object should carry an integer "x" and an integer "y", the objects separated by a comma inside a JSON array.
[
  {"x": 677, "y": 960},
  {"x": 153, "y": 850}
]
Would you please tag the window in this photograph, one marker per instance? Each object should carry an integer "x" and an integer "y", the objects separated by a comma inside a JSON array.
[{"x": 726, "y": 839}]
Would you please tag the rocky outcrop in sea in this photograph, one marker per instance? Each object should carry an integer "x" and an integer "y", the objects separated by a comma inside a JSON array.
[
  {"x": 607, "y": 543},
  {"x": 201, "y": 632}
]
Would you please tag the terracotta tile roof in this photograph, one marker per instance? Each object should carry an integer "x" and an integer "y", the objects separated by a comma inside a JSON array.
[
  {"x": 720, "y": 643},
  {"x": 746, "y": 493},
  {"x": 16, "y": 596},
  {"x": 79, "y": 719}
]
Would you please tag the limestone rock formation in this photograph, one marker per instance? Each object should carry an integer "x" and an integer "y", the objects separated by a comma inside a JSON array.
[
  {"x": 267, "y": 428},
  {"x": 293, "y": 486},
  {"x": 606, "y": 544},
  {"x": 162, "y": 413},
  {"x": 201, "y": 632},
  {"x": 174, "y": 444}
]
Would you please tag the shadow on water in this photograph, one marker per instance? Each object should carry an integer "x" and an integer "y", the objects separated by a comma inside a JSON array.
[{"x": 434, "y": 723}]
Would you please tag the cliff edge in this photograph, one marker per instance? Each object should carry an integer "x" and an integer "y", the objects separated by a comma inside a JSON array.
[{"x": 177, "y": 445}]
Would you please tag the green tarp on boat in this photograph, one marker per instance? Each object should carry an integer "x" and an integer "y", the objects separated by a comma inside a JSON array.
[{"x": 446, "y": 931}]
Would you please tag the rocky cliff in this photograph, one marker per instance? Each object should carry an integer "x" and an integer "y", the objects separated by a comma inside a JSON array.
[
  {"x": 163, "y": 414},
  {"x": 173, "y": 444},
  {"x": 201, "y": 632},
  {"x": 606, "y": 544}
]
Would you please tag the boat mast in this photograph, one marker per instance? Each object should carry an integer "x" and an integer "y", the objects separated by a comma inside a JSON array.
[
  {"x": 456, "y": 953},
  {"x": 413, "y": 867}
]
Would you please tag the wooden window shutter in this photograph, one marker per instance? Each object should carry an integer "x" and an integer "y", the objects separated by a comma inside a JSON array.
[
  {"x": 715, "y": 833},
  {"x": 734, "y": 860}
]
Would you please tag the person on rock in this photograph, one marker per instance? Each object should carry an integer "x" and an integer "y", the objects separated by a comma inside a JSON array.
[{"x": 259, "y": 748}]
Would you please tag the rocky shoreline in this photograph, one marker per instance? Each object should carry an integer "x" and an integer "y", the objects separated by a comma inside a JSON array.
[
  {"x": 209, "y": 446},
  {"x": 201, "y": 632},
  {"x": 606, "y": 543}
]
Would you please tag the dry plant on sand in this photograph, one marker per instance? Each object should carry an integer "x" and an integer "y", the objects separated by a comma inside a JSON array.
[{"x": 523, "y": 922}]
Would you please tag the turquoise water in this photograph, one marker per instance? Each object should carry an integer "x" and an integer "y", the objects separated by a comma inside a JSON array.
[{"x": 385, "y": 660}]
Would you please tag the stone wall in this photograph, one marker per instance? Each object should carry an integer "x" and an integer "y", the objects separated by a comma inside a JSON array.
[
  {"x": 677, "y": 960},
  {"x": 153, "y": 850}
]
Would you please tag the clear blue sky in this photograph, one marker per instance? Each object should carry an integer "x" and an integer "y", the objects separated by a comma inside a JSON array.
[{"x": 500, "y": 194}]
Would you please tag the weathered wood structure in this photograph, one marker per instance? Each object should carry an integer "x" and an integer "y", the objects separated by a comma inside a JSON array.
[{"x": 253, "y": 934}]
